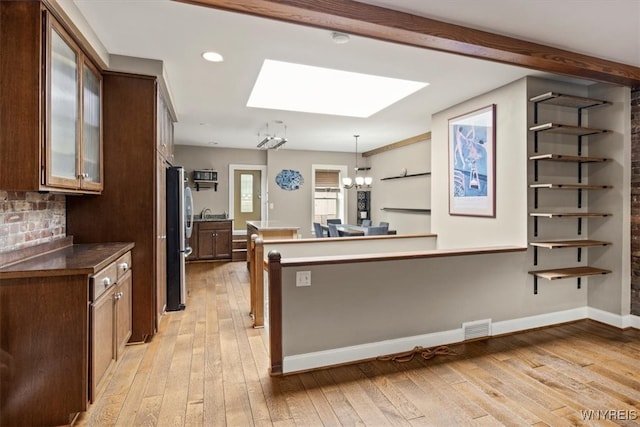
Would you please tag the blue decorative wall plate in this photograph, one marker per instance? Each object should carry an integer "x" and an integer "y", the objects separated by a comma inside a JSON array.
[{"x": 289, "y": 179}]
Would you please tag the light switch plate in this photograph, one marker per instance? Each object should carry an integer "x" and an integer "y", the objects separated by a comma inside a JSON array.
[{"x": 303, "y": 278}]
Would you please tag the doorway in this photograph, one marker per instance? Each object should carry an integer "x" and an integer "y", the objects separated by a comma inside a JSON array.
[{"x": 247, "y": 195}]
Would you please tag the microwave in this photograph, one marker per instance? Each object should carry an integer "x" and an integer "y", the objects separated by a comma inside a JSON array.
[{"x": 205, "y": 175}]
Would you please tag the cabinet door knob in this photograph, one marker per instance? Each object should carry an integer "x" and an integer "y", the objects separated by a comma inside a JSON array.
[{"x": 106, "y": 281}]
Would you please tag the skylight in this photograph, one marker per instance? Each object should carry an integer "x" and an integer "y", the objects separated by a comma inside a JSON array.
[{"x": 296, "y": 87}]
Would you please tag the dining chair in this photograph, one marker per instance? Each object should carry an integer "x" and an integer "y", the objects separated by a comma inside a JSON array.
[
  {"x": 376, "y": 231},
  {"x": 366, "y": 223},
  {"x": 334, "y": 221},
  {"x": 333, "y": 230},
  {"x": 317, "y": 228}
]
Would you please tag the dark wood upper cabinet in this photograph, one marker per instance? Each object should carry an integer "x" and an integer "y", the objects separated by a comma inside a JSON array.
[{"x": 51, "y": 123}]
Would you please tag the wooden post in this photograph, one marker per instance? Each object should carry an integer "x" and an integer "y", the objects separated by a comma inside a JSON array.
[
  {"x": 258, "y": 277},
  {"x": 275, "y": 312}
]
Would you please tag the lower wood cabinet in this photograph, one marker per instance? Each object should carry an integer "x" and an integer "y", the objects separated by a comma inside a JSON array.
[
  {"x": 110, "y": 321},
  {"x": 65, "y": 314},
  {"x": 213, "y": 240}
]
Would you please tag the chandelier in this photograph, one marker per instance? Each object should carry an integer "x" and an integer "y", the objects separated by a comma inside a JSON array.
[
  {"x": 358, "y": 181},
  {"x": 272, "y": 140}
]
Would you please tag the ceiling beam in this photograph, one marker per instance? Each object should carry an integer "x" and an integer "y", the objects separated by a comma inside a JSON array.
[
  {"x": 414, "y": 139},
  {"x": 404, "y": 28}
]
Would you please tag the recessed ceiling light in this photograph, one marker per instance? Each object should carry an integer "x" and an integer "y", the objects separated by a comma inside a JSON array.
[
  {"x": 296, "y": 87},
  {"x": 213, "y": 56},
  {"x": 340, "y": 38}
]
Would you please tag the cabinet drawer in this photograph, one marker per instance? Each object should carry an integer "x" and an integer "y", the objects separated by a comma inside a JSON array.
[
  {"x": 123, "y": 264},
  {"x": 103, "y": 280}
]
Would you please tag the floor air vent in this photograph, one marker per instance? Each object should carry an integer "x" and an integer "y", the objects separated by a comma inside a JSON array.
[{"x": 476, "y": 329}]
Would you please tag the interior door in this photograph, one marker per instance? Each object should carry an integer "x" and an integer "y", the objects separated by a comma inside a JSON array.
[{"x": 247, "y": 204}]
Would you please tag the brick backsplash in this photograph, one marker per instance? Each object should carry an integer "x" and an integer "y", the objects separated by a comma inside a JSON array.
[{"x": 28, "y": 219}]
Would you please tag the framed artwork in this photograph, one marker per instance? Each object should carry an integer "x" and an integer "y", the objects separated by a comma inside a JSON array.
[{"x": 472, "y": 165}]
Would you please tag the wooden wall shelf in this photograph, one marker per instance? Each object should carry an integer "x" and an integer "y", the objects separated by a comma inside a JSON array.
[
  {"x": 571, "y": 186},
  {"x": 566, "y": 158},
  {"x": 579, "y": 104},
  {"x": 566, "y": 273},
  {"x": 553, "y": 98},
  {"x": 566, "y": 129},
  {"x": 408, "y": 210},
  {"x": 410, "y": 175}
]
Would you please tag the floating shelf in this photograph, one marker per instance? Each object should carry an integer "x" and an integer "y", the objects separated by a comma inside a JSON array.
[
  {"x": 578, "y": 215},
  {"x": 567, "y": 129},
  {"x": 566, "y": 273},
  {"x": 203, "y": 185},
  {"x": 407, "y": 210},
  {"x": 405, "y": 176},
  {"x": 553, "y": 98},
  {"x": 579, "y": 243},
  {"x": 567, "y": 158},
  {"x": 571, "y": 186},
  {"x": 569, "y": 214}
]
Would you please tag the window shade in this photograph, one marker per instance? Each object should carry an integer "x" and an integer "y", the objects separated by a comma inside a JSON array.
[{"x": 327, "y": 179}]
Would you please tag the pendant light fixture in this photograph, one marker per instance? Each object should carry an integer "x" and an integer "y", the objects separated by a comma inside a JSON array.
[{"x": 358, "y": 181}]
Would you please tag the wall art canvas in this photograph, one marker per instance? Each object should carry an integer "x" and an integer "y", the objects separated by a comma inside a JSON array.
[
  {"x": 472, "y": 154},
  {"x": 289, "y": 179}
]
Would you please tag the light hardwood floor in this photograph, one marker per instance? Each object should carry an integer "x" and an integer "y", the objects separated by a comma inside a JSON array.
[{"x": 208, "y": 367}]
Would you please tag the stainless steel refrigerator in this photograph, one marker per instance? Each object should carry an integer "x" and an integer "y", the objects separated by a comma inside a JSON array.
[{"x": 179, "y": 226}]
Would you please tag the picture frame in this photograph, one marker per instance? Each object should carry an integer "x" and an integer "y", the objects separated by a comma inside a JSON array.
[{"x": 472, "y": 165}]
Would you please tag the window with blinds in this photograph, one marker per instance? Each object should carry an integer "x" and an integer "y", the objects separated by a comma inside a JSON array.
[{"x": 326, "y": 200}]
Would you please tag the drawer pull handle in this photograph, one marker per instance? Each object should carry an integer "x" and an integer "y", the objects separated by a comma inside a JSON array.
[
  {"x": 124, "y": 266},
  {"x": 106, "y": 281}
]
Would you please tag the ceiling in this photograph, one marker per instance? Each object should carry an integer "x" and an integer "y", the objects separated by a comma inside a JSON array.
[{"x": 210, "y": 98}]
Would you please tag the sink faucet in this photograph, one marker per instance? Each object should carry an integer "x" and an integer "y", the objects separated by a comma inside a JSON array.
[{"x": 203, "y": 214}]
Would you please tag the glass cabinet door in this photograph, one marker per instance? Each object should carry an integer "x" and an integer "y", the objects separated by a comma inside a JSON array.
[
  {"x": 91, "y": 134},
  {"x": 63, "y": 111}
]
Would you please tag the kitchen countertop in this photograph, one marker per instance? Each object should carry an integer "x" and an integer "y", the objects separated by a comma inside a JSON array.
[
  {"x": 209, "y": 219},
  {"x": 73, "y": 259},
  {"x": 272, "y": 225}
]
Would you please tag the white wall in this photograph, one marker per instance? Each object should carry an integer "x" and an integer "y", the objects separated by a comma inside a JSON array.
[
  {"x": 509, "y": 227},
  {"x": 292, "y": 207},
  {"x": 412, "y": 192},
  {"x": 295, "y": 207},
  {"x": 191, "y": 157},
  {"x": 614, "y": 294}
]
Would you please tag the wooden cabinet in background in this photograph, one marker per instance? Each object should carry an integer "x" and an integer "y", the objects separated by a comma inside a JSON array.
[
  {"x": 213, "y": 240},
  {"x": 52, "y": 132},
  {"x": 132, "y": 205}
]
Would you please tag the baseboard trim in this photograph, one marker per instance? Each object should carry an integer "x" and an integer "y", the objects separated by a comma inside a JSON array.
[
  {"x": 339, "y": 356},
  {"x": 538, "y": 321}
]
